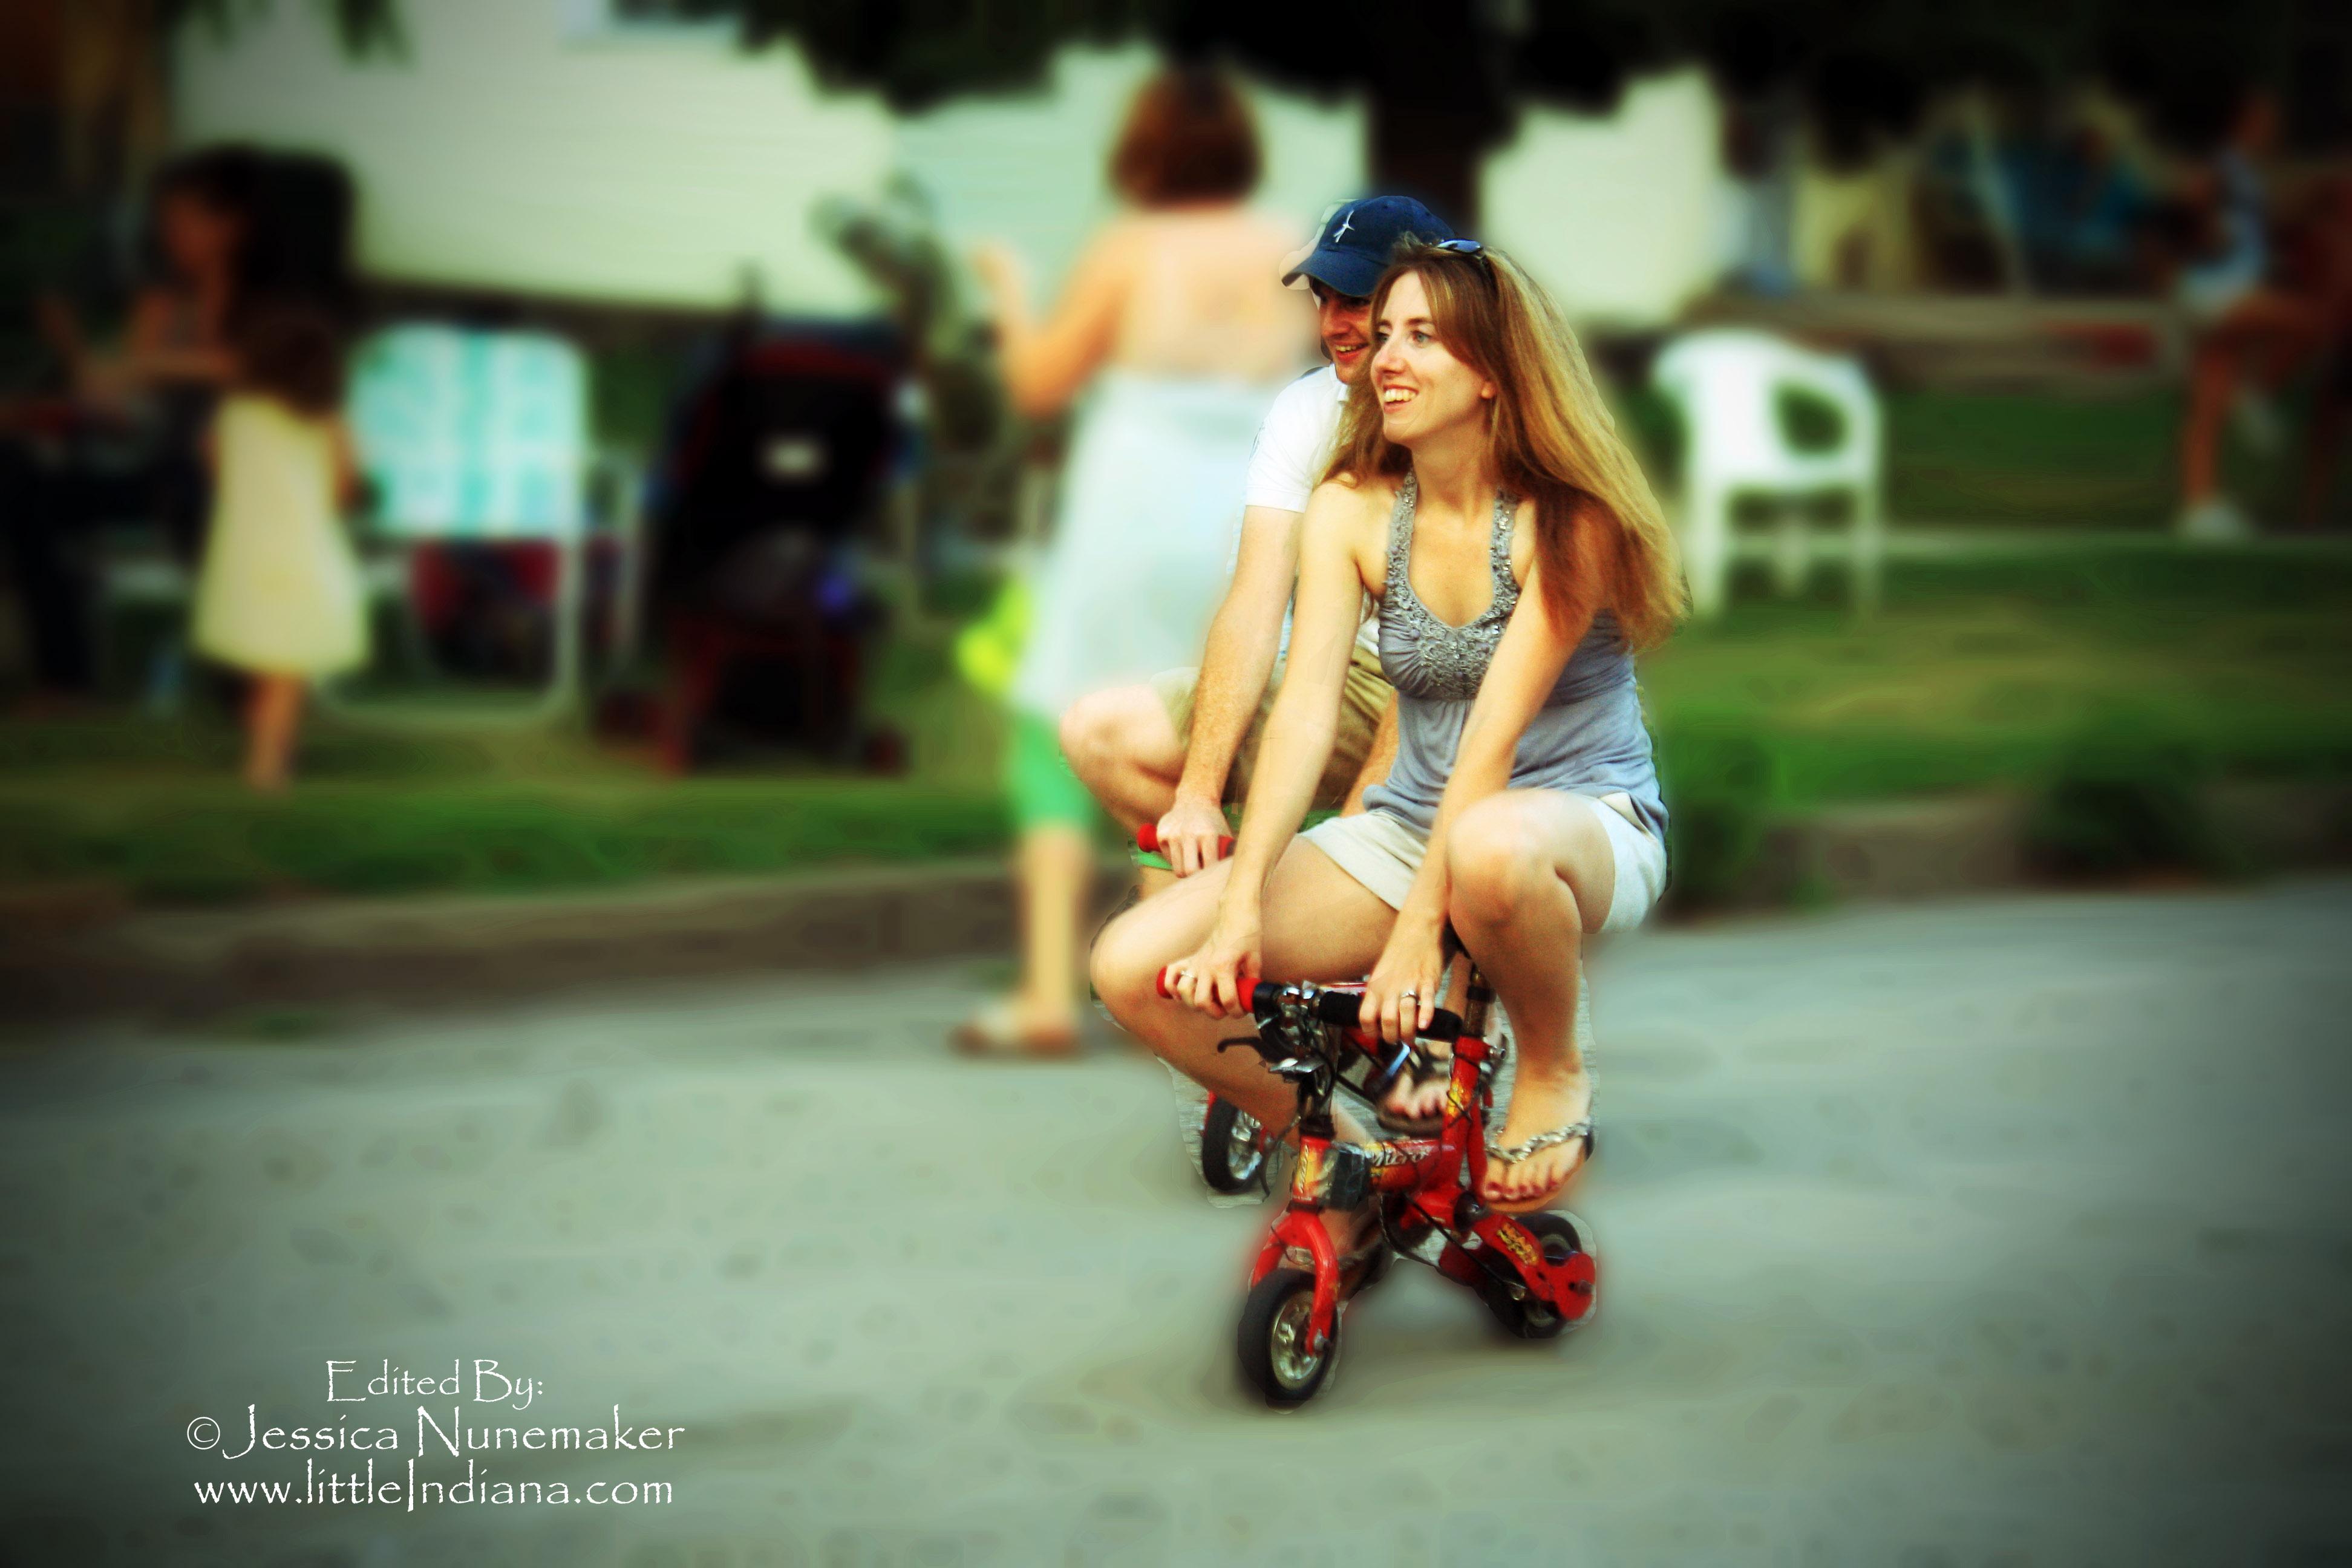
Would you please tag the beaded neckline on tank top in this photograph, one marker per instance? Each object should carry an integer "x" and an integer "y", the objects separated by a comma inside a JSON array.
[{"x": 1433, "y": 658}]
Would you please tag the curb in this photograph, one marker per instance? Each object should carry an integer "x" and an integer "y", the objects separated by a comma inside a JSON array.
[
  {"x": 79, "y": 952},
  {"x": 70, "y": 954},
  {"x": 1898, "y": 850}
]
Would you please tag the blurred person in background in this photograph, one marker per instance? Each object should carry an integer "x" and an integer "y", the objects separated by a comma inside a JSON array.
[
  {"x": 1482, "y": 496},
  {"x": 1176, "y": 751},
  {"x": 157, "y": 388},
  {"x": 2249, "y": 334},
  {"x": 177, "y": 353},
  {"x": 1175, "y": 327},
  {"x": 2085, "y": 197},
  {"x": 178, "y": 339},
  {"x": 279, "y": 596}
]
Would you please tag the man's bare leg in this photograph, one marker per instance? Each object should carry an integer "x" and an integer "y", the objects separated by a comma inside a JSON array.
[{"x": 1124, "y": 748}]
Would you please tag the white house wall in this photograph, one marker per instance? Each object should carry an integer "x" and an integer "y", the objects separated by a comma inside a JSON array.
[
  {"x": 1619, "y": 217},
  {"x": 511, "y": 152},
  {"x": 517, "y": 148}
]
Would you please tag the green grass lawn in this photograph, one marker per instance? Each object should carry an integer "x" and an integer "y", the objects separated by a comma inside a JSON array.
[
  {"x": 154, "y": 806},
  {"x": 1978, "y": 675},
  {"x": 2001, "y": 460},
  {"x": 1975, "y": 675}
]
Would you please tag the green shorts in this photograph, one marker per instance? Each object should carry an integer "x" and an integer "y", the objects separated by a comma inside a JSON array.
[{"x": 1045, "y": 792}]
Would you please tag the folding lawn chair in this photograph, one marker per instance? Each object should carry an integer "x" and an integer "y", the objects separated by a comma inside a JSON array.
[{"x": 482, "y": 436}]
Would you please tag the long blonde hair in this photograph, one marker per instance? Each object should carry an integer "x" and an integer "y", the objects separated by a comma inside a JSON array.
[{"x": 1550, "y": 438}]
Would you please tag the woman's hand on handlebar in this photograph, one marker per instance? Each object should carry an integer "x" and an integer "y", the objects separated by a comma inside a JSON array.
[
  {"x": 1400, "y": 992},
  {"x": 1194, "y": 836},
  {"x": 1216, "y": 978}
]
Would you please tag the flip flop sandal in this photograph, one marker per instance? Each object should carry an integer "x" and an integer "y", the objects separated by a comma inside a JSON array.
[
  {"x": 987, "y": 1034},
  {"x": 1519, "y": 1153},
  {"x": 1441, "y": 1069},
  {"x": 1413, "y": 1126}
]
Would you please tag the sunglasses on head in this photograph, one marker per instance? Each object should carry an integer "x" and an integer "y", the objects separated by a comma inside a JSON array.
[{"x": 1461, "y": 246}]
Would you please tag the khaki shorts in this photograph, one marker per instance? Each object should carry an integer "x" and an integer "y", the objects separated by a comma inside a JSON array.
[
  {"x": 1384, "y": 853},
  {"x": 1361, "y": 703}
]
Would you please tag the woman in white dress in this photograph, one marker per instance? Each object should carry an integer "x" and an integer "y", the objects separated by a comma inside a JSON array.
[{"x": 1173, "y": 328}]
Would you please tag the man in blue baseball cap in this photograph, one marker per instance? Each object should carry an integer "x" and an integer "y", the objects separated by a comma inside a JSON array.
[
  {"x": 1174, "y": 751},
  {"x": 1358, "y": 239}
]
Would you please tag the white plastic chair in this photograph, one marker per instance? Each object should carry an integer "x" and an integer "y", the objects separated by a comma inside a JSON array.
[
  {"x": 471, "y": 435},
  {"x": 1727, "y": 382}
]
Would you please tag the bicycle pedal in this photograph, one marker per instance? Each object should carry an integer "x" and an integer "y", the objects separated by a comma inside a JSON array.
[{"x": 1423, "y": 1248}]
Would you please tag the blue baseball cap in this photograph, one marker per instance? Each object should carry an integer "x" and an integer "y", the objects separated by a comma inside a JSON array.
[{"x": 1353, "y": 249}]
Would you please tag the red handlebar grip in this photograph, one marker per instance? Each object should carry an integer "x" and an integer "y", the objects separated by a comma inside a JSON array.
[{"x": 1147, "y": 839}]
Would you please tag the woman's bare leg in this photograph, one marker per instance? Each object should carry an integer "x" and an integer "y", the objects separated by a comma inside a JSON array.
[
  {"x": 1319, "y": 924},
  {"x": 1056, "y": 863},
  {"x": 273, "y": 713},
  {"x": 2261, "y": 339},
  {"x": 2278, "y": 331},
  {"x": 2212, "y": 378},
  {"x": 1532, "y": 873}
]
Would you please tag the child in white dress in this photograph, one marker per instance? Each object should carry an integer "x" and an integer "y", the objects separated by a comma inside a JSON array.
[{"x": 279, "y": 595}]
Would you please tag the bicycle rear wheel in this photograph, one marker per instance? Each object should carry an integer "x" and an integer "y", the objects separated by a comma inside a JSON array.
[{"x": 1560, "y": 1235}]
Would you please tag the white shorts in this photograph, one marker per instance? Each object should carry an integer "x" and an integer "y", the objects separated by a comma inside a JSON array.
[
  {"x": 2207, "y": 293},
  {"x": 1384, "y": 854}
]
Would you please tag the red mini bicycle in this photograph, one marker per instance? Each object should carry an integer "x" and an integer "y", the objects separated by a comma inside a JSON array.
[{"x": 1535, "y": 1272}]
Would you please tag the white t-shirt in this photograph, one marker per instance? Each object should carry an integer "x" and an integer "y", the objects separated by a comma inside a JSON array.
[
  {"x": 1294, "y": 447},
  {"x": 1294, "y": 444}
]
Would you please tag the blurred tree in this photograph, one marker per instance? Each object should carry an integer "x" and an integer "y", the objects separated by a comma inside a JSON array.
[
  {"x": 1443, "y": 83},
  {"x": 363, "y": 25}
]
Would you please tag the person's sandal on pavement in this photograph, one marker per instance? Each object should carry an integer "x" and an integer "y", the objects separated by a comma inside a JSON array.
[{"x": 994, "y": 1032}]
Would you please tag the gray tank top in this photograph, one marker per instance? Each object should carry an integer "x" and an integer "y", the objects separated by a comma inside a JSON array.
[{"x": 1587, "y": 739}]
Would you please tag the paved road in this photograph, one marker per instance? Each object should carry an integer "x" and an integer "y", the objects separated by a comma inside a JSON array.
[{"x": 2005, "y": 1233}]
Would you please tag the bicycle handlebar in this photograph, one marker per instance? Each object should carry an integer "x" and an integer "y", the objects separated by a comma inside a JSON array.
[
  {"x": 1147, "y": 839},
  {"x": 1331, "y": 1005}
]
